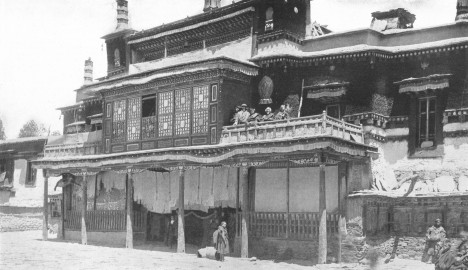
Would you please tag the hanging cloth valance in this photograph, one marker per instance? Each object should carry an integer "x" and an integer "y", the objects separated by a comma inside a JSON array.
[
  {"x": 328, "y": 91},
  {"x": 421, "y": 85}
]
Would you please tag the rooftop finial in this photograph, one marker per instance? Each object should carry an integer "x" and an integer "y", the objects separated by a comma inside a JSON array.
[
  {"x": 211, "y": 4},
  {"x": 88, "y": 72},
  {"x": 122, "y": 14},
  {"x": 462, "y": 10}
]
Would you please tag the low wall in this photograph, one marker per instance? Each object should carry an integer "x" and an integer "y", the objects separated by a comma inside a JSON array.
[
  {"x": 283, "y": 250},
  {"x": 103, "y": 238},
  {"x": 21, "y": 210}
]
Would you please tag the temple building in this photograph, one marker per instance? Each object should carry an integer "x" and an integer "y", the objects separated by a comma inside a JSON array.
[{"x": 368, "y": 109}]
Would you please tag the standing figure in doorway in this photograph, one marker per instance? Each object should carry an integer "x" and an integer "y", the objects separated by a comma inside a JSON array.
[
  {"x": 435, "y": 238},
  {"x": 221, "y": 241},
  {"x": 171, "y": 232}
]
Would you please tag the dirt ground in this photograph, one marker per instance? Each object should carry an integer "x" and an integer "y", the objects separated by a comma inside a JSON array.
[{"x": 25, "y": 250}]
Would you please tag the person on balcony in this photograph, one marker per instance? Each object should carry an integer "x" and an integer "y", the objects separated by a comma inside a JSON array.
[
  {"x": 254, "y": 116},
  {"x": 242, "y": 115},
  {"x": 435, "y": 238},
  {"x": 234, "y": 117},
  {"x": 269, "y": 116},
  {"x": 282, "y": 114}
]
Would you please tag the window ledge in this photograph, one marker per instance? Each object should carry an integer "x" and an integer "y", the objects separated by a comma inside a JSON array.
[{"x": 429, "y": 152}]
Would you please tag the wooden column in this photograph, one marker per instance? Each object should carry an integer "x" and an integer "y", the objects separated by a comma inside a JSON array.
[
  {"x": 61, "y": 229},
  {"x": 45, "y": 217},
  {"x": 244, "y": 179},
  {"x": 181, "y": 213},
  {"x": 95, "y": 192},
  {"x": 322, "y": 247},
  {"x": 288, "y": 208},
  {"x": 84, "y": 200},
  {"x": 129, "y": 236}
]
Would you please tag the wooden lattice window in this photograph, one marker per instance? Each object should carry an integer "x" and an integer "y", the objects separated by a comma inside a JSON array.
[
  {"x": 165, "y": 113},
  {"x": 200, "y": 109},
  {"x": 182, "y": 112},
  {"x": 148, "y": 127},
  {"x": 182, "y": 123},
  {"x": 165, "y": 125},
  {"x": 133, "y": 129},
  {"x": 200, "y": 97},
  {"x": 165, "y": 103},
  {"x": 134, "y": 108},
  {"x": 118, "y": 131},
  {"x": 118, "y": 121},
  {"x": 200, "y": 122},
  {"x": 119, "y": 110},
  {"x": 182, "y": 100},
  {"x": 427, "y": 123},
  {"x": 133, "y": 122}
]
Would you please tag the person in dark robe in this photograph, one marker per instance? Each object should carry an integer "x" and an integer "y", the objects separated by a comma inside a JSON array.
[
  {"x": 282, "y": 114},
  {"x": 254, "y": 116},
  {"x": 221, "y": 241},
  {"x": 171, "y": 232},
  {"x": 269, "y": 116},
  {"x": 435, "y": 238},
  {"x": 453, "y": 259}
]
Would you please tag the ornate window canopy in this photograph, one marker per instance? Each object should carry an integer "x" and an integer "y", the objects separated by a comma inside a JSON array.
[{"x": 424, "y": 84}]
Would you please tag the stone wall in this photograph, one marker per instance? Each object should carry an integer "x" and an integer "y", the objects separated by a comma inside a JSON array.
[
  {"x": 283, "y": 250},
  {"x": 356, "y": 246},
  {"x": 25, "y": 222},
  {"x": 103, "y": 238}
]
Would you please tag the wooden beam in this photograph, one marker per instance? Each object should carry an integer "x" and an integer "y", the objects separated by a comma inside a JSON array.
[
  {"x": 244, "y": 177},
  {"x": 129, "y": 236},
  {"x": 322, "y": 247},
  {"x": 181, "y": 213},
  {"x": 45, "y": 217},
  {"x": 84, "y": 200}
]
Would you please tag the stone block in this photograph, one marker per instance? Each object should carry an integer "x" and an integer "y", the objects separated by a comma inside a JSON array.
[
  {"x": 445, "y": 183},
  {"x": 463, "y": 183}
]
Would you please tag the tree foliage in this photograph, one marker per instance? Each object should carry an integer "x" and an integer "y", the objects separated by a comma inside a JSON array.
[
  {"x": 2, "y": 131},
  {"x": 32, "y": 129},
  {"x": 56, "y": 133}
]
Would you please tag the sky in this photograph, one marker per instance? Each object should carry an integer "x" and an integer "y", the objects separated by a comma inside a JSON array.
[{"x": 44, "y": 43}]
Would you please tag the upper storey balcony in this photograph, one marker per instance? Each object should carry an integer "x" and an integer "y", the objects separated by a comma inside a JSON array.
[{"x": 320, "y": 125}]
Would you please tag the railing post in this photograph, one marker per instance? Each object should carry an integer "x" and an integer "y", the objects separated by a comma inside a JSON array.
[
  {"x": 324, "y": 122},
  {"x": 362, "y": 134},
  {"x": 343, "y": 125}
]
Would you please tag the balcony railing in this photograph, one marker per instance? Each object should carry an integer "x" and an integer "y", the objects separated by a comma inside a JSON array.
[
  {"x": 310, "y": 126},
  {"x": 80, "y": 144},
  {"x": 104, "y": 220},
  {"x": 294, "y": 226}
]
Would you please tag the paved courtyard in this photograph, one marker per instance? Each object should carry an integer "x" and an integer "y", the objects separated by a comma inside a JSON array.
[{"x": 25, "y": 250}]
